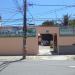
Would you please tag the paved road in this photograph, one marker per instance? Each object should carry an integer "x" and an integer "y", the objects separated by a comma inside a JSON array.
[{"x": 40, "y": 68}]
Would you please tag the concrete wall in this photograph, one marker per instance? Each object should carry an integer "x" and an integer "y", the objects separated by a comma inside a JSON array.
[
  {"x": 67, "y": 50},
  {"x": 14, "y": 46},
  {"x": 66, "y": 45},
  {"x": 10, "y": 46},
  {"x": 51, "y": 30},
  {"x": 68, "y": 40},
  {"x": 32, "y": 46},
  {"x": 61, "y": 40}
]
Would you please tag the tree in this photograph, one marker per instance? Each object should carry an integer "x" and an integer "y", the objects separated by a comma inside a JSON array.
[
  {"x": 48, "y": 23},
  {"x": 66, "y": 20},
  {"x": 72, "y": 22}
]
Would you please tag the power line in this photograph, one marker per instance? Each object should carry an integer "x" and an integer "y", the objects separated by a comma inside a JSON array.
[
  {"x": 52, "y": 5},
  {"x": 46, "y": 20},
  {"x": 52, "y": 11},
  {"x": 18, "y": 6},
  {"x": 7, "y": 10},
  {"x": 56, "y": 10},
  {"x": 30, "y": 14},
  {"x": 31, "y": 19},
  {"x": 10, "y": 18},
  {"x": 19, "y": 24},
  {"x": 20, "y": 19}
]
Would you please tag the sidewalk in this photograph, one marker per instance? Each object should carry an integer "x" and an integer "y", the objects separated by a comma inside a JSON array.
[{"x": 55, "y": 57}]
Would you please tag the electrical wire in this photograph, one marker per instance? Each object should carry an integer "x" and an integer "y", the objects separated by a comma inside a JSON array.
[
  {"x": 58, "y": 5},
  {"x": 30, "y": 14},
  {"x": 54, "y": 10},
  {"x": 10, "y": 18},
  {"x": 32, "y": 19},
  {"x": 19, "y": 8},
  {"x": 42, "y": 19},
  {"x": 17, "y": 4},
  {"x": 51, "y": 11},
  {"x": 20, "y": 24}
]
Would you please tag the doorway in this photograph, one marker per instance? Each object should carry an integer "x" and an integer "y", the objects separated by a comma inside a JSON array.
[{"x": 45, "y": 41}]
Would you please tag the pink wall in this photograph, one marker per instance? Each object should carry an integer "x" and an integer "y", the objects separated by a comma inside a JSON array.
[
  {"x": 14, "y": 46},
  {"x": 10, "y": 46},
  {"x": 32, "y": 45},
  {"x": 69, "y": 40},
  {"x": 62, "y": 40},
  {"x": 52, "y": 30}
]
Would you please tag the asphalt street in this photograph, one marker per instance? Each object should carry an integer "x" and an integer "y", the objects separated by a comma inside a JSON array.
[{"x": 39, "y": 67}]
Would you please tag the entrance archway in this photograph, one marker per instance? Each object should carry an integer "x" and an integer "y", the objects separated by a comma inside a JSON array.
[{"x": 45, "y": 41}]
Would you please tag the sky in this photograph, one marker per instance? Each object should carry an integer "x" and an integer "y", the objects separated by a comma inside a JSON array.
[{"x": 9, "y": 10}]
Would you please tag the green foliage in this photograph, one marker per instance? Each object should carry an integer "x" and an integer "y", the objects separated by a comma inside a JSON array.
[
  {"x": 72, "y": 22},
  {"x": 48, "y": 23},
  {"x": 66, "y": 20},
  {"x": 69, "y": 22}
]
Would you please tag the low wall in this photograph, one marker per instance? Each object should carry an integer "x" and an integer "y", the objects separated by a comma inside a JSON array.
[
  {"x": 14, "y": 46},
  {"x": 67, "y": 50},
  {"x": 66, "y": 40},
  {"x": 32, "y": 46},
  {"x": 11, "y": 46}
]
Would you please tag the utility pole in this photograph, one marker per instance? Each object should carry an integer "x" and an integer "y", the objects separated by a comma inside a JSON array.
[
  {"x": 24, "y": 29},
  {"x": 0, "y": 20}
]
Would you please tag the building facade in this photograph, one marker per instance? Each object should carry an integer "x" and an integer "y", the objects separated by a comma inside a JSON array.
[{"x": 11, "y": 40}]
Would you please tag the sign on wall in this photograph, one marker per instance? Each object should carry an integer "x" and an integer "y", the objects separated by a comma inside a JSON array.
[
  {"x": 17, "y": 32},
  {"x": 67, "y": 31},
  {"x": 31, "y": 32}
]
